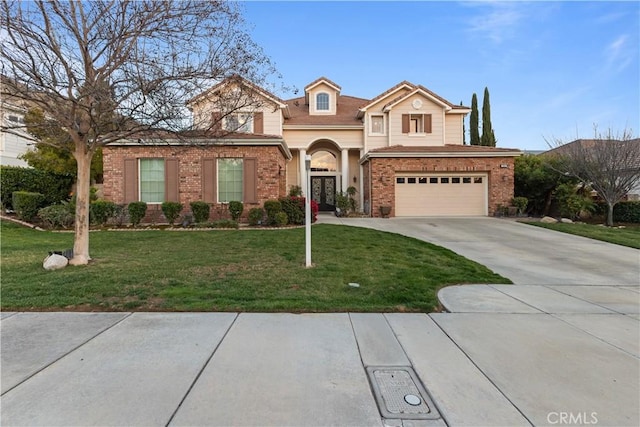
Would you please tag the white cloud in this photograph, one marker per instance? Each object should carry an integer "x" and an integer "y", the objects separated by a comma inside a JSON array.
[
  {"x": 499, "y": 22},
  {"x": 619, "y": 54}
]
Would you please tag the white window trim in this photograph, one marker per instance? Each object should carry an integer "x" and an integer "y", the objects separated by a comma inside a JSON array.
[
  {"x": 315, "y": 102},
  {"x": 164, "y": 179},
  {"x": 218, "y": 179},
  {"x": 238, "y": 115},
  {"x": 384, "y": 125}
]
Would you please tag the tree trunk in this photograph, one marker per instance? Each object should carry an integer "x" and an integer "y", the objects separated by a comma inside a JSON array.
[
  {"x": 609, "y": 214},
  {"x": 83, "y": 190}
]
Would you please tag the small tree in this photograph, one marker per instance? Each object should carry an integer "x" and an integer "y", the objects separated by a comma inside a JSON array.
[
  {"x": 473, "y": 121},
  {"x": 106, "y": 71},
  {"x": 609, "y": 163},
  {"x": 488, "y": 138}
]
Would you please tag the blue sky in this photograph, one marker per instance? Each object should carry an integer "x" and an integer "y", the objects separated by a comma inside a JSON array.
[{"x": 553, "y": 69}]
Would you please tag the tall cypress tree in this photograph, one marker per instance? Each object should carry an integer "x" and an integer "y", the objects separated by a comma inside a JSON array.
[
  {"x": 488, "y": 137},
  {"x": 473, "y": 121}
]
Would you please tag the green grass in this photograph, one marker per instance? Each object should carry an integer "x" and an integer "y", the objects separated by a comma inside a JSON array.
[
  {"x": 232, "y": 270},
  {"x": 628, "y": 236}
]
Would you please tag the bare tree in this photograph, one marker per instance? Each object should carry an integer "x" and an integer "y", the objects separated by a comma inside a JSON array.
[
  {"x": 609, "y": 163},
  {"x": 107, "y": 70}
]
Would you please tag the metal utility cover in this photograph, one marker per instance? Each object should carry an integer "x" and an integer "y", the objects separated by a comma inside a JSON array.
[{"x": 400, "y": 394}]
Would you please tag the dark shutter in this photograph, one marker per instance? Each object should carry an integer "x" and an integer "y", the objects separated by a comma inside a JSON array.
[
  {"x": 216, "y": 121},
  {"x": 172, "y": 180},
  {"x": 249, "y": 181},
  {"x": 130, "y": 180},
  {"x": 209, "y": 183},
  {"x": 405, "y": 123},
  {"x": 427, "y": 123},
  {"x": 258, "y": 122}
]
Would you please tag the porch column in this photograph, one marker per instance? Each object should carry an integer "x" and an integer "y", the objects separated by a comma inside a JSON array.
[
  {"x": 361, "y": 184},
  {"x": 345, "y": 169},
  {"x": 303, "y": 172}
]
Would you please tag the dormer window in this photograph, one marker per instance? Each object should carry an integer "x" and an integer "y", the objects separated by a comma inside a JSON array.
[
  {"x": 322, "y": 102},
  {"x": 239, "y": 122}
]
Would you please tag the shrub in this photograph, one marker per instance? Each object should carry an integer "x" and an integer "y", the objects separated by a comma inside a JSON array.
[
  {"x": 343, "y": 204},
  {"x": 573, "y": 201},
  {"x": 171, "y": 211},
  {"x": 272, "y": 207},
  {"x": 256, "y": 215},
  {"x": 520, "y": 203},
  {"x": 295, "y": 191},
  {"x": 57, "y": 216},
  {"x": 280, "y": 219},
  {"x": 200, "y": 211},
  {"x": 54, "y": 187},
  {"x": 235, "y": 209},
  {"x": 26, "y": 204},
  {"x": 628, "y": 211},
  {"x": 101, "y": 211},
  {"x": 293, "y": 206},
  {"x": 137, "y": 211}
]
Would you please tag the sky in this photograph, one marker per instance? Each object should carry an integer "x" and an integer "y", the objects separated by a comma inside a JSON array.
[{"x": 554, "y": 70}]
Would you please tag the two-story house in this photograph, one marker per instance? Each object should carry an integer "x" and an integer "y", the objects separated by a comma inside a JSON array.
[{"x": 402, "y": 149}]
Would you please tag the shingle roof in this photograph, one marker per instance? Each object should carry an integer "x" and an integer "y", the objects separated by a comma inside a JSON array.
[
  {"x": 447, "y": 148},
  {"x": 345, "y": 114},
  {"x": 321, "y": 79}
]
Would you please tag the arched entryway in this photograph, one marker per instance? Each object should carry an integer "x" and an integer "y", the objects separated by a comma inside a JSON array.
[{"x": 324, "y": 179}]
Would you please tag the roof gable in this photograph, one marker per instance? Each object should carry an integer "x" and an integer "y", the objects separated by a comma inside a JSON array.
[
  {"x": 321, "y": 80},
  {"x": 239, "y": 81}
]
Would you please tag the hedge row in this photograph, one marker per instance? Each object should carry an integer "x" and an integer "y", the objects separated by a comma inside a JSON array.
[
  {"x": 622, "y": 212},
  {"x": 53, "y": 187}
]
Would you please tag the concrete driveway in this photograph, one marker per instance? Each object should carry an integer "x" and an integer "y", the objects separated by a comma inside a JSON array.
[{"x": 525, "y": 254}]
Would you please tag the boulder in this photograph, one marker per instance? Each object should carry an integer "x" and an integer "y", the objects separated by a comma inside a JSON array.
[
  {"x": 548, "y": 220},
  {"x": 55, "y": 262},
  {"x": 566, "y": 221}
]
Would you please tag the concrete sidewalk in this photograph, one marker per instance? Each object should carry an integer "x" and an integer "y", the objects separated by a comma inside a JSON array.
[{"x": 545, "y": 354}]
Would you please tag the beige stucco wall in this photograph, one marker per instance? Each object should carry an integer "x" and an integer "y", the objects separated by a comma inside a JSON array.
[
  {"x": 271, "y": 112},
  {"x": 345, "y": 138}
]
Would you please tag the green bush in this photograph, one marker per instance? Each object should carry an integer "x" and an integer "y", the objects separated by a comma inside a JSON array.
[
  {"x": 57, "y": 216},
  {"x": 26, "y": 204},
  {"x": 54, "y": 187},
  {"x": 200, "y": 211},
  {"x": 272, "y": 207},
  {"x": 293, "y": 206},
  {"x": 628, "y": 211},
  {"x": 280, "y": 219},
  {"x": 137, "y": 211},
  {"x": 101, "y": 211},
  {"x": 343, "y": 204},
  {"x": 520, "y": 203},
  {"x": 295, "y": 191},
  {"x": 171, "y": 211},
  {"x": 235, "y": 208},
  {"x": 256, "y": 215}
]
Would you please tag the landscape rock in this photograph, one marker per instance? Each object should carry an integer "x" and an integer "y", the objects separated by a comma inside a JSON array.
[
  {"x": 566, "y": 221},
  {"x": 55, "y": 262},
  {"x": 548, "y": 220}
]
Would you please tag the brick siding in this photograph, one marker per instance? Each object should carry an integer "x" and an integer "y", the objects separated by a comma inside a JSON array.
[
  {"x": 270, "y": 180},
  {"x": 383, "y": 172}
]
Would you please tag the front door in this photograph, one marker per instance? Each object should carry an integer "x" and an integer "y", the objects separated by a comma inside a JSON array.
[{"x": 323, "y": 191}]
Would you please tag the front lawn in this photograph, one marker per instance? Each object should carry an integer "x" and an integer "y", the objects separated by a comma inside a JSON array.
[
  {"x": 628, "y": 236},
  {"x": 232, "y": 270}
]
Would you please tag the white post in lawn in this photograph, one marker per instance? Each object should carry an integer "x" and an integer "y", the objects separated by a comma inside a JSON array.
[{"x": 307, "y": 211}]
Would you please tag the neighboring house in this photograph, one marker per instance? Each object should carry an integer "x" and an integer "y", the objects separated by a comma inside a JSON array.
[
  {"x": 14, "y": 139},
  {"x": 402, "y": 149}
]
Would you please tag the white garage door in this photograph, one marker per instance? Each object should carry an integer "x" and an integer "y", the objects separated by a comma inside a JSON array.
[{"x": 441, "y": 194}]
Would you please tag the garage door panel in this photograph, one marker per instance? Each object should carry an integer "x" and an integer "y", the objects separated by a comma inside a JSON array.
[{"x": 441, "y": 195}]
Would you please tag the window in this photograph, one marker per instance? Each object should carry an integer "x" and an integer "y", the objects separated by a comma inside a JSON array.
[
  {"x": 322, "y": 102},
  {"x": 455, "y": 180},
  {"x": 466, "y": 180},
  {"x": 477, "y": 180},
  {"x": 444, "y": 180},
  {"x": 422, "y": 180},
  {"x": 399, "y": 180},
  {"x": 411, "y": 180},
  {"x": 433, "y": 180},
  {"x": 152, "y": 180},
  {"x": 239, "y": 122},
  {"x": 377, "y": 124},
  {"x": 323, "y": 161},
  {"x": 416, "y": 123},
  {"x": 230, "y": 174}
]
